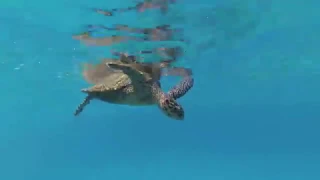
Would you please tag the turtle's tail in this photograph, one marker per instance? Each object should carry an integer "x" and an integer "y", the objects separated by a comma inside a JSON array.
[{"x": 81, "y": 106}]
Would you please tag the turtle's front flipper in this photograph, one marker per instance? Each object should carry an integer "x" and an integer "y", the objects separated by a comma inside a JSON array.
[
  {"x": 81, "y": 106},
  {"x": 184, "y": 86},
  {"x": 134, "y": 74},
  {"x": 169, "y": 106},
  {"x": 124, "y": 57}
]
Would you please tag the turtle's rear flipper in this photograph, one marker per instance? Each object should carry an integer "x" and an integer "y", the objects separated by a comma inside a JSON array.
[{"x": 81, "y": 106}]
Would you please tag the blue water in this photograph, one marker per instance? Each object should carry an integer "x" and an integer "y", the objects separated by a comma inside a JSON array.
[{"x": 253, "y": 113}]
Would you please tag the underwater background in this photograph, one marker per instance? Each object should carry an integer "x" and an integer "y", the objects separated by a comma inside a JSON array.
[{"x": 253, "y": 113}]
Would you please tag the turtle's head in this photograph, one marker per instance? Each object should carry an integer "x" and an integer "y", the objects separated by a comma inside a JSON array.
[{"x": 171, "y": 108}]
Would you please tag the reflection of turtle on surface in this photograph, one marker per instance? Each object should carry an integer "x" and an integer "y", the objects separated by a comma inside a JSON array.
[
  {"x": 166, "y": 52},
  {"x": 135, "y": 84},
  {"x": 88, "y": 39}
]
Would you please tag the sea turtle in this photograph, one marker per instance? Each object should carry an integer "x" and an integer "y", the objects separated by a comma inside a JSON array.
[{"x": 120, "y": 82}]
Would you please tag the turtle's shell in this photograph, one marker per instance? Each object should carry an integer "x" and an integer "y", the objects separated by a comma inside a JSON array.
[
  {"x": 114, "y": 86},
  {"x": 101, "y": 73}
]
